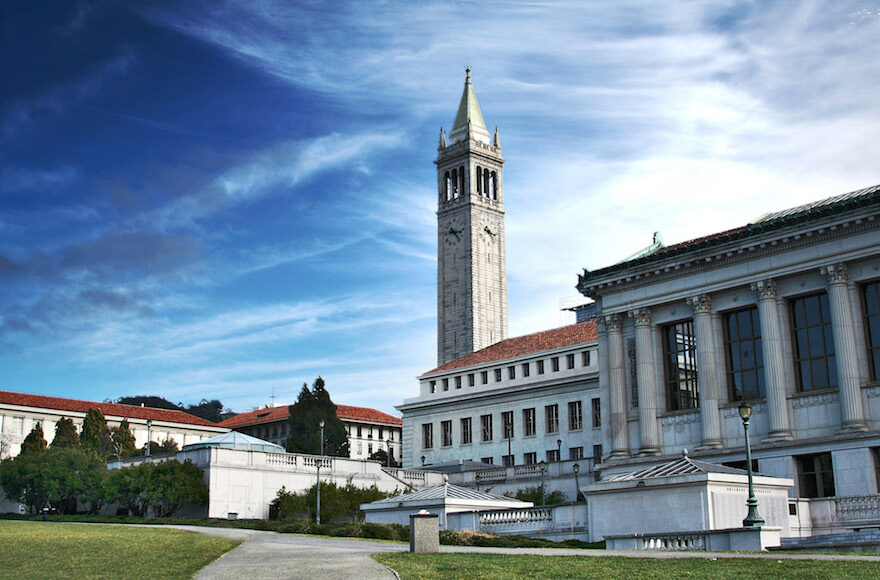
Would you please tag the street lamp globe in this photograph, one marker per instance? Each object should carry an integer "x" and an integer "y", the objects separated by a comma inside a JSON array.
[{"x": 745, "y": 411}]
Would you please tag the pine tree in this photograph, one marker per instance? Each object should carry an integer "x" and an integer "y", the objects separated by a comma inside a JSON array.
[
  {"x": 34, "y": 442},
  {"x": 123, "y": 440},
  {"x": 310, "y": 409},
  {"x": 65, "y": 434},
  {"x": 95, "y": 434}
]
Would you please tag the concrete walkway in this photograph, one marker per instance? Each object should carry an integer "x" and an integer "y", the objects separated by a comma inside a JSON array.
[{"x": 269, "y": 555}]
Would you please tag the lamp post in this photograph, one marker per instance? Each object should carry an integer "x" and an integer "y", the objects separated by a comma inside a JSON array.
[
  {"x": 388, "y": 443},
  {"x": 577, "y": 486},
  {"x": 477, "y": 479},
  {"x": 542, "y": 465},
  {"x": 559, "y": 450},
  {"x": 752, "y": 519},
  {"x": 320, "y": 461},
  {"x": 149, "y": 436},
  {"x": 423, "y": 460}
]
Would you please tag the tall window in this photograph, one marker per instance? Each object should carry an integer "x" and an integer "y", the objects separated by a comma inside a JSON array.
[
  {"x": 525, "y": 369},
  {"x": 484, "y": 377},
  {"x": 466, "y": 436},
  {"x": 427, "y": 435},
  {"x": 507, "y": 422},
  {"x": 530, "y": 458},
  {"x": 554, "y": 364},
  {"x": 471, "y": 380},
  {"x": 458, "y": 382},
  {"x": 681, "y": 366},
  {"x": 529, "y": 421},
  {"x": 552, "y": 455},
  {"x": 446, "y": 433},
  {"x": 551, "y": 414},
  {"x": 813, "y": 343},
  {"x": 597, "y": 454},
  {"x": 816, "y": 475},
  {"x": 575, "y": 416},
  {"x": 486, "y": 427},
  {"x": 597, "y": 412},
  {"x": 569, "y": 361},
  {"x": 540, "y": 365},
  {"x": 871, "y": 294},
  {"x": 511, "y": 372},
  {"x": 745, "y": 360},
  {"x": 497, "y": 375}
]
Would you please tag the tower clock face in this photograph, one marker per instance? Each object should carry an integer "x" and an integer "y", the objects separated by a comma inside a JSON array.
[
  {"x": 489, "y": 229},
  {"x": 453, "y": 233}
]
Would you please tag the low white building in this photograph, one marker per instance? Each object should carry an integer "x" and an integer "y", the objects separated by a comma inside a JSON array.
[
  {"x": 20, "y": 412},
  {"x": 369, "y": 430}
]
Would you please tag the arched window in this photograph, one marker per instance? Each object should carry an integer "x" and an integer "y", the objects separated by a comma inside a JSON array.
[
  {"x": 479, "y": 180},
  {"x": 454, "y": 183},
  {"x": 448, "y": 186},
  {"x": 461, "y": 179},
  {"x": 486, "y": 182},
  {"x": 493, "y": 186}
]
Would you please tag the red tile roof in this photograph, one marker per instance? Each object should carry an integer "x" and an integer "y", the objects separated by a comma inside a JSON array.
[
  {"x": 523, "y": 345},
  {"x": 114, "y": 409},
  {"x": 344, "y": 412}
]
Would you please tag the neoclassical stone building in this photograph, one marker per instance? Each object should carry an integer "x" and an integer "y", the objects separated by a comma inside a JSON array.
[{"x": 783, "y": 313}]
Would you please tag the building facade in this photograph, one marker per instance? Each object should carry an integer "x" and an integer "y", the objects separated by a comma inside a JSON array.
[
  {"x": 21, "y": 412},
  {"x": 471, "y": 256},
  {"x": 782, "y": 313},
  {"x": 368, "y": 430}
]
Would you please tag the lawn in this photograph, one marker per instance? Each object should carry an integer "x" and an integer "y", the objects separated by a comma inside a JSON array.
[
  {"x": 55, "y": 550},
  {"x": 503, "y": 566}
]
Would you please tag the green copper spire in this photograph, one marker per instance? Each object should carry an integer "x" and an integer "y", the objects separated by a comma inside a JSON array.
[{"x": 469, "y": 119}]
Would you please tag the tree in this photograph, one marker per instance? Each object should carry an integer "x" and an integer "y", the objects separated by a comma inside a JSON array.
[
  {"x": 165, "y": 487},
  {"x": 311, "y": 407},
  {"x": 148, "y": 401},
  {"x": 209, "y": 410},
  {"x": 169, "y": 445},
  {"x": 60, "y": 476},
  {"x": 212, "y": 410},
  {"x": 382, "y": 457},
  {"x": 123, "y": 440},
  {"x": 34, "y": 442},
  {"x": 95, "y": 434},
  {"x": 65, "y": 434}
]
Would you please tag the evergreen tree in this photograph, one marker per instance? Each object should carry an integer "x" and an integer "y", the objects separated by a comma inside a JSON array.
[
  {"x": 95, "y": 434},
  {"x": 34, "y": 442},
  {"x": 123, "y": 440},
  {"x": 65, "y": 434},
  {"x": 311, "y": 407}
]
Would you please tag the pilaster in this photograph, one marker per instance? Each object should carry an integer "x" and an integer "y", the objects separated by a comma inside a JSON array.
[
  {"x": 619, "y": 437},
  {"x": 774, "y": 363},
  {"x": 647, "y": 388},
  {"x": 707, "y": 377}
]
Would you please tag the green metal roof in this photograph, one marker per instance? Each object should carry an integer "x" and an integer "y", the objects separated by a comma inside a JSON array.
[{"x": 469, "y": 108}]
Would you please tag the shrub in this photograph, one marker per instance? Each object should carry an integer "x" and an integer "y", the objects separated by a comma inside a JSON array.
[
  {"x": 337, "y": 503},
  {"x": 533, "y": 494}
]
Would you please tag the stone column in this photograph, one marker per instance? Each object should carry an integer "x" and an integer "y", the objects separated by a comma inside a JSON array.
[
  {"x": 707, "y": 374},
  {"x": 774, "y": 363},
  {"x": 851, "y": 409},
  {"x": 617, "y": 382},
  {"x": 647, "y": 388}
]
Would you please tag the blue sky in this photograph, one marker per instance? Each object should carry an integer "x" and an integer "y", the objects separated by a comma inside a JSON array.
[{"x": 214, "y": 199}]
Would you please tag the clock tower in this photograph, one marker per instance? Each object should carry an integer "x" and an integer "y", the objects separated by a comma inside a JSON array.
[{"x": 471, "y": 257}]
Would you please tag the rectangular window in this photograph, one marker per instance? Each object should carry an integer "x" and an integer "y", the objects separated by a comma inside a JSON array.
[
  {"x": 369, "y": 448},
  {"x": 529, "y": 421},
  {"x": 552, "y": 455},
  {"x": 813, "y": 344},
  {"x": 466, "y": 436},
  {"x": 745, "y": 359},
  {"x": 507, "y": 460},
  {"x": 575, "y": 416},
  {"x": 427, "y": 435},
  {"x": 507, "y": 424},
  {"x": 597, "y": 454},
  {"x": 530, "y": 458},
  {"x": 569, "y": 361},
  {"x": 380, "y": 432},
  {"x": 458, "y": 382},
  {"x": 497, "y": 375},
  {"x": 680, "y": 353},
  {"x": 511, "y": 372},
  {"x": 540, "y": 367},
  {"x": 575, "y": 452},
  {"x": 488, "y": 460},
  {"x": 486, "y": 427},
  {"x": 446, "y": 433},
  {"x": 359, "y": 431},
  {"x": 815, "y": 475},
  {"x": 871, "y": 297},
  {"x": 597, "y": 412},
  {"x": 370, "y": 433},
  {"x": 585, "y": 358},
  {"x": 484, "y": 377},
  {"x": 433, "y": 386},
  {"x": 360, "y": 448},
  {"x": 525, "y": 369},
  {"x": 554, "y": 364},
  {"x": 471, "y": 381},
  {"x": 551, "y": 413},
  {"x": 445, "y": 384}
]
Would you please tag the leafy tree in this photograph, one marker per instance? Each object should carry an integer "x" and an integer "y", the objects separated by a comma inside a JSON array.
[
  {"x": 209, "y": 410},
  {"x": 123, "y": 440},
  {"x": 163, "y": 487},
  {"x": 58, "y": 476},
  {"x": 212, "y": 410},
  {"x": 311, "y": 407},
  {"x": 338, "y": 503},
  {"x": 129, "y": 486},
  {"x": 34, "y": 442},
  {"x": 149, "y": 401},
  {"x": 65, "y": 434},
  {"x": 169, "y": 445},
  {"x": 95, "y": 434},
  {"x": 533, "y": 494},
  {"x": 382, "y": 456}
]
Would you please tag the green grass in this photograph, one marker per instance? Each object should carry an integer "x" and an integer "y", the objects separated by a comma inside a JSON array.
[
  {"x": 51, "y": 550},
  {"x": 503, "y": 566}
]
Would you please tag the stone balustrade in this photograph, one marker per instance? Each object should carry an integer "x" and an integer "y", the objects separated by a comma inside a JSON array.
[
  {"x": 674, "y": 542},
  {"x": 866, "y": 507},
  {"x": 532, "y": 517}
]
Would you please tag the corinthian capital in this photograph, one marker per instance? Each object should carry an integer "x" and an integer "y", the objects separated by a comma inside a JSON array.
[
  {"x": 766, "y": 289},
  {"x": 701, "y": 304},
  {"x": 641, "y": 317},
  {"x": 836, "y": 273},
  {"x": 612, "y": 322}
]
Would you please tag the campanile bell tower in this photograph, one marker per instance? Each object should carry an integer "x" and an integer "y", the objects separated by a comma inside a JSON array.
[{"x": 471, "y": 256}]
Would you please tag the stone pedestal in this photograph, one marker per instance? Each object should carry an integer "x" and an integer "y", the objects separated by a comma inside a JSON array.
[{"x": 424, "y": 533}]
